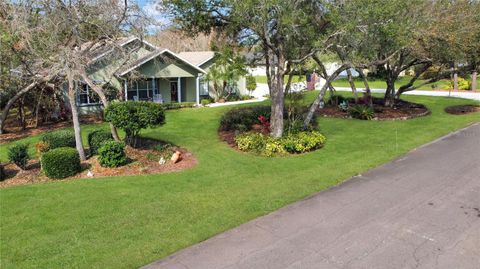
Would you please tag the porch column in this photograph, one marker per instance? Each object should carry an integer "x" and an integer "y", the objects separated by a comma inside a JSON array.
[
  {"x": 126, "y": 90},
  {"x": 179, "y": 89},
  {"x": 197, "y": 90},
  {"x": 154, "y": 88}
]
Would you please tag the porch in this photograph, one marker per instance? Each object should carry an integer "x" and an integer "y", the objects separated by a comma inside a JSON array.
[{"x": 166, "y": 90}]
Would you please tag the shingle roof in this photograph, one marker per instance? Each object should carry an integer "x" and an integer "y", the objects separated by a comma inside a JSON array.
[{"x": 197, "y": 57}]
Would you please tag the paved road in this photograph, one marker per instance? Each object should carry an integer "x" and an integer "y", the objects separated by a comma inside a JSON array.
[{"x": 420, "y": 211}]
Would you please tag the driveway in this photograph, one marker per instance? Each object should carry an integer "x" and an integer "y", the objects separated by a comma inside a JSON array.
[{"x": 419, "y": 211}]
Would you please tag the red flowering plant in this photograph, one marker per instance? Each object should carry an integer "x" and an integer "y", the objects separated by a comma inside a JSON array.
[{"x": 265, "y": 124}]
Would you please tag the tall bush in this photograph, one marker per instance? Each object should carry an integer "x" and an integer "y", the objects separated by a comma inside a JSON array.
[
  {"x": 18, "y": 154},
  {"x": 97, "y": 138},
  {"x": 133, "y": 116}
]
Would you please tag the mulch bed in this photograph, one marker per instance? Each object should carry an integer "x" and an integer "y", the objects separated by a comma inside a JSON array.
[
  {"x": 401, "y": 111},
  {"x": 142, "y": 161},
  {"x": 14, "y": 132},
  {"x": 462, "y": 109}
]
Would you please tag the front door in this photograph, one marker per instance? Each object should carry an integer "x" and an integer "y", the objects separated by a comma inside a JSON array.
[{"x": 173, "y": 91}]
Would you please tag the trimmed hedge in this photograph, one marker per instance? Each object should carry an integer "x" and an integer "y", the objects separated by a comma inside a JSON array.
[
  {"x": 169, "y": 106},
  {"x": 59, "y": 139},
  {"x": 112, "y": 154},
  {"x": 18, "y": 154},
  {"x": 61, "y": 162},
  {"x": 97, "y": 138}
]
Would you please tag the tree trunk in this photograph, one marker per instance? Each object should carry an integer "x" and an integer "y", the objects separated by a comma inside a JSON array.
[
  {"x": 320, "y": 96},
  {"x": 368, "y": 92},
  {"x": 75, "y": 118},
  {"x": 352, "y": 85},
  {"x": 98, "y": 90},
  {"x": 37, "y": 108},
  {"x": 21, "y": 114},
  {"x": 389, "y": 98},
  {"x": 474, "y": 81},
  {"x": 19, "y": 94},
  {"x": 277, "y": 98},
  {"x": 455, "y": 81}
]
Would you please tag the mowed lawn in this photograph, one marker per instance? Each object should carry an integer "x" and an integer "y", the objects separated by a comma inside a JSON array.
[{"x": 126, "y": 222}]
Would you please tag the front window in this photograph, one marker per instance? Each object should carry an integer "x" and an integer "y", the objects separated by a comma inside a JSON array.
[
  {"x": 86, "y": 96},
  {"x": 203, "y": 86},
  {"x": 141, "y": 90}
]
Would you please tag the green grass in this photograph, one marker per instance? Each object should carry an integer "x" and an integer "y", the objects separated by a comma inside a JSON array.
[
  {"x": 126, "y": 222},
  {"x": 378, "y": 84}
]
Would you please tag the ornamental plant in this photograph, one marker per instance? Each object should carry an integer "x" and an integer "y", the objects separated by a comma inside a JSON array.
[
  {"x": 133, "y": 116},
  {"x": 18, "y": 154},
  {"x": 61, "y": 162},
  {"x": 112, "y": 154}
]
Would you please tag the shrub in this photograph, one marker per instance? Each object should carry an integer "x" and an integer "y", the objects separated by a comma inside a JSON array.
[
  {"x": 59, "y": 139},
  {"x": 205, "y": 102},
  {"x": 97, "y": 138},
  {"x": 362, "y": 112},
  {"x": 61, "y": 162},
  {"x": 292, "y": 143},
  {"x": 336, "y": 100},
  {"x": 18, "y": 154},
  {"x": 251, "y": 84},
  {"x": 3, "y": 175},
  {"x": 112, "y": 154},
  {"x": 133, "y": 116},
  {"x": 303, "y": 141},
  {"x": 243, "y": 118},
  {"x": 42, "y": 147},
  {"x": 343, "y": 106},
  {"x": 463, "y": 84},
  {"x": 169, "y": 106}
]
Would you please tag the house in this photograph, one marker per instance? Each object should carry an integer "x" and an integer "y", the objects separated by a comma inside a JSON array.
[{"x": 138, "y": 70}]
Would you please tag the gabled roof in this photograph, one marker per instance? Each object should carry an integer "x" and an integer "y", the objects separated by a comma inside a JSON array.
[
  {"x": 158, "y": 52},
  {"x": 197, "y": 57}
]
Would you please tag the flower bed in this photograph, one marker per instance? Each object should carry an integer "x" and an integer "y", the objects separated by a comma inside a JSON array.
[{"x": 247, "y": 129}]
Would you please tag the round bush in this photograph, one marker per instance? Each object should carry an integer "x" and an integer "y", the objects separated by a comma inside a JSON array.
[
  {"x": 112, "y": 154},
  {"x": 59, "y": 139},
  {"x": 61, "y": 162},
  {"x": 97, "y": 138},
  {"x": 133, "y": 116},
  {"x": 243, "y": 118},
  {"x": 18, "y": 154}
]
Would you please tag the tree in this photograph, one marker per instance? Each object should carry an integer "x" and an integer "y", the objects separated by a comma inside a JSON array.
[
  {"x": 227, "y": 69},
  {"x": 133, "y": 116},
  {"x": 281, "y": 30},
  {"x": 59, "y": 40},
  {"x": 251, "y": 84}
]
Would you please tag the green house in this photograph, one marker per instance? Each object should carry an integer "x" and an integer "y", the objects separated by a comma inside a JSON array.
[{"x": 137, "y": 70}]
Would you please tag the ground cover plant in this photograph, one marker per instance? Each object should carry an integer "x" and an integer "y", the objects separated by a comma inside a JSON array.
[{"x": 109, "y": 223}]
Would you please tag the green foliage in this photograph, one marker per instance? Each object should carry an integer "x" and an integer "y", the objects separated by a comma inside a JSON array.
[
  {"x": 292, "y": 143},
  {"x": 205, "y": 101},
  {"x": 463, "y": 84},
  {"x": 251, "y": 84},
  {"x": 133, "y": 116},
  {"x": 97, "y": 138},
  {"x": 61, "y": 162},
  {"x": 3, "y": 175},
  {"x": 112, "y": 154},
  {"x": 361, "y": 112},
  {"x": 169, "y": 106},
  {"x": 243, "y": 118},
  {"x": 59, "y": 139},
  {"x": 336, "y": 99},
  {"x": 18, "y": 154}
]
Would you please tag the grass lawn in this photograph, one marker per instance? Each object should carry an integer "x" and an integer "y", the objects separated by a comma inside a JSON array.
[
  {"x": 377, "y": 84},
  {"x": 126, "y": 222}
]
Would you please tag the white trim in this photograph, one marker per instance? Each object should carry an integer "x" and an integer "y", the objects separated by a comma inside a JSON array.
[
  {"x": 128, "y": 41},
  {"x": 206, "y": 60},
  {"x": 197, "y": 90},
  {"x": 158, "y": 53},
  {"x": 179, "y": 89},
  {"x": 126, "y": 90}
]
